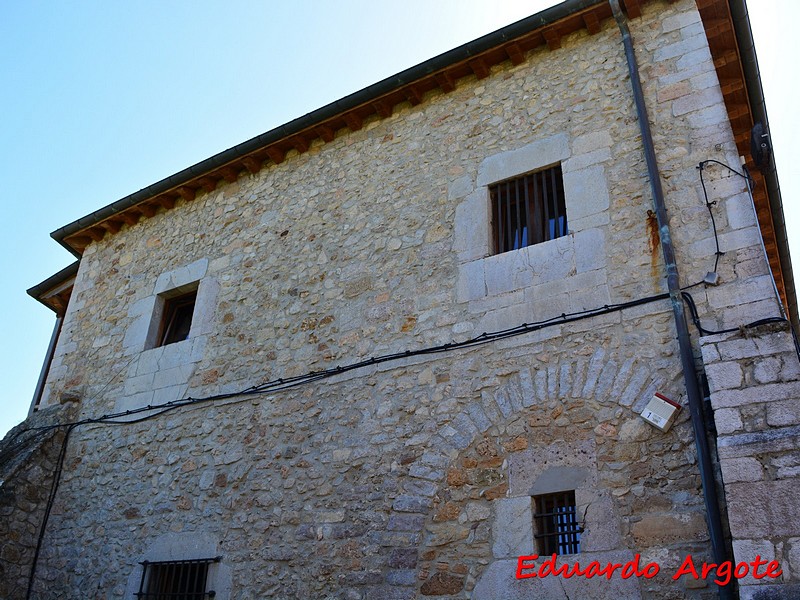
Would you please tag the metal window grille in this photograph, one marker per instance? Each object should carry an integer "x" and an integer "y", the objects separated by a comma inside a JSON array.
[
  {"x": 557, "y": 527},
  {"x": 177, "y": 320},
  {"x": 176, "y": 580},
  {"x": 528, "y": 210}
]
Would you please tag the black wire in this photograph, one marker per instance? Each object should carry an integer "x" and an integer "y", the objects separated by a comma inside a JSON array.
[
  {"x": 48, "y": 507},
  {"x": 745, "y": 175},
  {"x": 282, "y": 384},
  {"x": 718, "y": 253},
  {"x": 703, "y": 331}
]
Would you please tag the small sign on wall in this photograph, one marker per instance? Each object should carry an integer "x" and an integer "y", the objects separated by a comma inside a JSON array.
[{"x": 660, "y": 412}]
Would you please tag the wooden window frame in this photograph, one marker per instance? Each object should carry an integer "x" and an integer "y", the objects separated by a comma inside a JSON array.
[{"x": 174, "y": 310}]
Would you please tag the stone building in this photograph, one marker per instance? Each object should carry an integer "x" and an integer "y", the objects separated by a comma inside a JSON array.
[{"x": 386, "y": 349}]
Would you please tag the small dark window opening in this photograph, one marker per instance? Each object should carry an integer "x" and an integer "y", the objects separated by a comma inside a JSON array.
[
  {"x": 177, "y": 320},
  {"x": 528, "y": 210},
  {"x": 176, "y": 580},
  {"x": 557, "y": 527}
]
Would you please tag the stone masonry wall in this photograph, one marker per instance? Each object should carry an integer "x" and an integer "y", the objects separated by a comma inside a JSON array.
[
  {"x": 27, "y": 464},
  {"x": 754, "y": 377},
  {"x": 407, "y": 479}
]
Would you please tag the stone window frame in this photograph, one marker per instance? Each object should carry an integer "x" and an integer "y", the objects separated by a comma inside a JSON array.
[
  {"x": 514, "y": 528},
  {"x": 157, "y": 576},
  {"x": 170, "y": 547},
  {"x": 483, "y": 274},
  {"x": 148, "y": 314}
]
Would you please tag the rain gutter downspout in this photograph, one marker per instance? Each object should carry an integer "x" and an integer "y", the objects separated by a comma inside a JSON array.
[
  {"x": 694, "y": 397},
  {"x": 48, "y": 360}
]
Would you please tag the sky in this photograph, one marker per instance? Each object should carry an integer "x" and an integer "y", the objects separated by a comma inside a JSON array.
[{"x": 100, "y": 98}]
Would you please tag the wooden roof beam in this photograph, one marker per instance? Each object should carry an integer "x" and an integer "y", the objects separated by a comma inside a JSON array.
[
  {"x": 478, "y": 66},
  {"x": 111, "y": 225},
  {"x": 632, "y": 8},
  {"x": 148, "y": 210},
  {"x": 96, "y": 233},
  {"x": 591, "y": 22},
  {"x": 299, "y": 143},
  {"x": 737, "y": 111},
  {"x": 717, "y": 27},
  {"x": 129, "y": 217},
  {"x": 275, "y": 154},
  {"x": 729, "y": 57},
  {"x": 412, "y": 94},
  {"x": 383, "y": 108},
  {"x": 354, "y": 122},
  {"x": 209, "y": 184},
  {"x": 252, "y": 164},
  {"x": 731, "y": 86},
  {"x": 514, "y": 53},
  {"x": 445, "y": 81},
  {"x": 229, "y": 174},
  {"x": 552, "y": 37},
  {"x": 325, "y": 132},
  {"x": 186, "y": 193},
  {"x": 166, "y": 202}
]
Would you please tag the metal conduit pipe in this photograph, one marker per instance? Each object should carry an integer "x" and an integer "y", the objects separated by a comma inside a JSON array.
[{"x": 694, "y": 397}]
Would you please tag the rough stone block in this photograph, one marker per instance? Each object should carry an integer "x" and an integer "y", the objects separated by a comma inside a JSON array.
[
  {"x": 169, "y": 394},
  {"x": 590, "y": 250},
  {"x": 774, "y": 392},
  {"x": 585, "y": 192},
  {"x": 183, "y": 276},
  {"x": 741, "y": 469},
  {"x": 786, "y": 412},
  {"x": 171, "y": 377},
  {"x": 204, "y": 318},
  {"x": 669, "y": 528},
  {"x": 696, "y": 101},
  {"x": 472, "y": 226},
  {"x": 745, "y": 292},
  {"x": 747, "y": 551},
  {"x": 763, "y": 510},
  {"x": 739, "y": 211},
  {"x": 727, "y": 420},
  {"x": 538, "y": 154},
  {"x": 582, "y": 161},
  {"x": 512, "y": 531},
  {"x": 726, "y": 375},
  {"x": 682, "y": 48},
  {"x": 411, "y": 504},
  {"x": 589, "y": 142},
  {"x": 460, "y": 188},
  {"x": 679, "y": 21},
  {"x": 706, "y": 117},
  {"x": 774, "y": 343},
  {"x": 508, "y": 271}
]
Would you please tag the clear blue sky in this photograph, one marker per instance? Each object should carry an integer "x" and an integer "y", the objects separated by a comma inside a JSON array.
[{"x": 99, "y": 99}]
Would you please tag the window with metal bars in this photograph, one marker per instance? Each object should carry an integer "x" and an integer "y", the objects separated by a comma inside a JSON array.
[
  {"x": 557, "y": 527},
  {"x": 176, "y": 580},
  {"x": 528, "y": 210}
]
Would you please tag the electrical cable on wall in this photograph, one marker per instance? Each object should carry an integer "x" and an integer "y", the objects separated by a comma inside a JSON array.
[{"x": 281, "y": 384}]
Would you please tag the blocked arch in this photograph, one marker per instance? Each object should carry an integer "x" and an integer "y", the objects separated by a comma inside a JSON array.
[{"x": 455, "y": 486}]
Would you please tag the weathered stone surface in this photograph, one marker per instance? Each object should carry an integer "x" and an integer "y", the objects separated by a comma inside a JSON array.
[
  {"x": 513, "y": 530},
  {"x": 442, "y": 584},
  {"x": 379, "y": 242}
]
